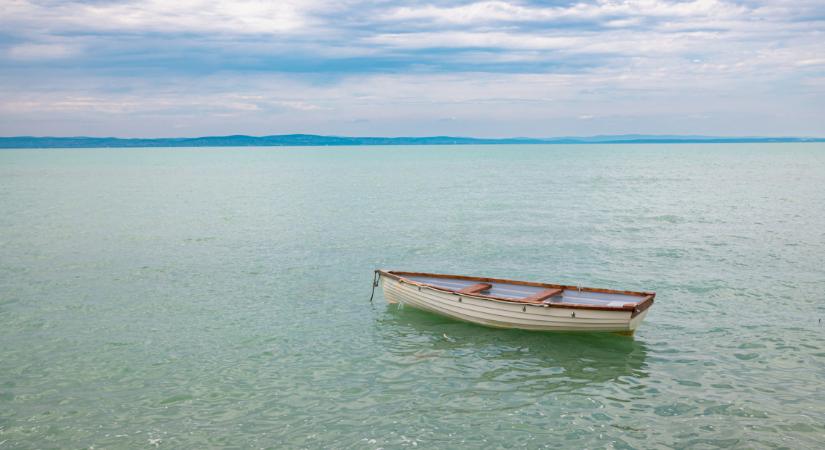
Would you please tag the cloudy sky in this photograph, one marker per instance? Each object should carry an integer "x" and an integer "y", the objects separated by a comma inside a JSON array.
[{"x": 139, "y": 68}]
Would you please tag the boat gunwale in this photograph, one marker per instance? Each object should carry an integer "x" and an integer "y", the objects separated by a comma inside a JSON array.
[{"x": 634, "y": 308}]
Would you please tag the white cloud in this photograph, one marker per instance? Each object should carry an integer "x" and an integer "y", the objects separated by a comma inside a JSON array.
[
  {"x": 320, "y": 66},
  {"x": 581, "y": 43},
  {"x": 458, "y": 39},
  {"x": 643, "y": 93},
  {"x": 299, "y": 105},
  {"x": 811, "y": 62},
  {"x": 497, "y": 11},
  {"x": 34, "y": 51},
  {"x": 227, "y": 16},
  {"x": 472, "y": 13}
]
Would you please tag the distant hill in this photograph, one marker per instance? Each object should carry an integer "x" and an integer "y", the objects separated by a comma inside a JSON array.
[{"x": 316, "y": 140}]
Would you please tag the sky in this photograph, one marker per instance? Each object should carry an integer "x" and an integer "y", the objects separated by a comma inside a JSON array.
[{"x": 160, "y": 68}]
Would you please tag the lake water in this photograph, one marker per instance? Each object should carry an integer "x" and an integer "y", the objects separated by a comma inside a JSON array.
[{"x": 196, "y": 298}]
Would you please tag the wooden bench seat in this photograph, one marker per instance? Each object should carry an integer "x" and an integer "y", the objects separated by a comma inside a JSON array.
[
  {"x": 475, "y": 289},
  {"x": 541, "y": 296}
]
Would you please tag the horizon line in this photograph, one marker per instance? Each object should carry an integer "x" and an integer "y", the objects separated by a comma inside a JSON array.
[
  {"x": 310, "y": 140},
  {"x": 588, "y": 136}
]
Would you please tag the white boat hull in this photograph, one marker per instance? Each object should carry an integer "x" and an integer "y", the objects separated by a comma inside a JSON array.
[{"x": 504, "y": 314}]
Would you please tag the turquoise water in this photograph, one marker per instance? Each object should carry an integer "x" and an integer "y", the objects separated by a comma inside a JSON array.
[{"x": 195, "y": 298}]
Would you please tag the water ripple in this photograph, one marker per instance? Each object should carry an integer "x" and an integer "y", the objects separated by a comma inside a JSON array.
[{"x": 218, "y": 298}]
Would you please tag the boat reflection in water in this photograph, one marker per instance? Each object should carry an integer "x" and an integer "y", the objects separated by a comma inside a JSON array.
[{"x": 505, "y": 360}]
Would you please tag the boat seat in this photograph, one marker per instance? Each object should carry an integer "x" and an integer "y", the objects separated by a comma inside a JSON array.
[
  {"x": 476, "y": 288},
  {"x": 543, "y": 295}
]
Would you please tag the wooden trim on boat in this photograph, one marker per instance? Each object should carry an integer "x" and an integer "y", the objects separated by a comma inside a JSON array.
[
  {"x": 635, "y": 309},
  {"x": 641, "y": 307},
  {"x": 399, "y": 274}
]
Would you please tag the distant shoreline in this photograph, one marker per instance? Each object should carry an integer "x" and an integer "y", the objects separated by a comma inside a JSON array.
[{"x": 307, "y": 140}]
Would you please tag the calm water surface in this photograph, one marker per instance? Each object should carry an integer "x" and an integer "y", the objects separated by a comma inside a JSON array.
[{"x": 196, "y": 298}]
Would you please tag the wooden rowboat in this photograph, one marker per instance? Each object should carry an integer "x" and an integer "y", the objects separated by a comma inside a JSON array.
[{"x": 518, "y": 304}]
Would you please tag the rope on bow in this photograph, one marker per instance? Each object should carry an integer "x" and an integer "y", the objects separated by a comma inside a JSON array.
[{"x": 375, "y": 279}]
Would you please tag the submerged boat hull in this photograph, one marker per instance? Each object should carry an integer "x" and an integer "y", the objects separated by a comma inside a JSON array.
[{"x": 508, "y": 314}]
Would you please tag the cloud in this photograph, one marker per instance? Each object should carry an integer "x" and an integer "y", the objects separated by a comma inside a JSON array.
[
  {"x": 480, "y": 103},
  {"x": 464, "y": 39},
  {"x": 500, "y": 11},
  {"x": 356, "y": 66},
  {"x": 36, "y": 52},
  {"x": 179, "y": 16}
]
